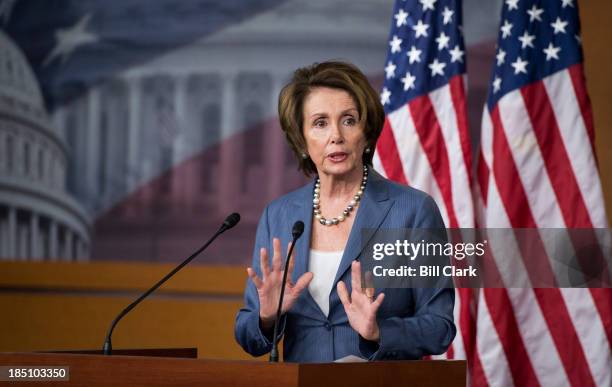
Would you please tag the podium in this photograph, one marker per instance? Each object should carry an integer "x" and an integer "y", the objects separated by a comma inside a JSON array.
[{"x": 120, "y": 370}]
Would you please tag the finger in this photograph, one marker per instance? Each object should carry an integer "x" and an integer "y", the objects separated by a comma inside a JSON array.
[
  {"x": 263, "y": 261},
  {"x": 369, "y": 292},
  {"x": 302, "y": 283},
  {"x": 369, "y": 279},
  {"x": 356, "y": 277},
  {"x": 291, "y": 262},
  {"x": 276, "y": 257},
  {"x": 343, "y": 294},
  {"x": 369, "y": 286},
  {"x": 378, "y": 302},
  {"x": 253, "y": 276}
]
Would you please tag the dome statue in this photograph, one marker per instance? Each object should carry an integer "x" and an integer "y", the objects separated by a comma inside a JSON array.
[{"x": 39, "y": 220}]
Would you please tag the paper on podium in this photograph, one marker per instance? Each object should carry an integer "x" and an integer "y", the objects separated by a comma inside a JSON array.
[{"x": 351, "y": 359}]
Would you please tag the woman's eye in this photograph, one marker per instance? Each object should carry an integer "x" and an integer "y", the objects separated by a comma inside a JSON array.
[
  {"x": 319, "y": 124},
  {"x": 349, "y": 121}
]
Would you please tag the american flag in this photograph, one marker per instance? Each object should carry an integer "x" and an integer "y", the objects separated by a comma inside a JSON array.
[
  {"x": 425, "y": 141},
  {"x": 80, "y": 44},
  {"x": 426, "y": 133},
  {"x": 537, "y": 169}
]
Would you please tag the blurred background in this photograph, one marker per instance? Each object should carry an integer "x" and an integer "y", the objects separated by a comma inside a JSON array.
[{"x": 130, "y": 129}]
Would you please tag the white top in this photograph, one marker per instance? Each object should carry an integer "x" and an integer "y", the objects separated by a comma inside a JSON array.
[{"x": 324, "y": 265}]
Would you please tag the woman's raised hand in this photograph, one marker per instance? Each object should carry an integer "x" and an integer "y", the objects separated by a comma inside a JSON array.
[
  {"x": 360, "y": 306},
  {"x": 269, "y": 286}
]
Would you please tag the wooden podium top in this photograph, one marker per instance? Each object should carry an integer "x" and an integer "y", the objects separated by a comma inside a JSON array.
[{"x": 99, "y": 370}]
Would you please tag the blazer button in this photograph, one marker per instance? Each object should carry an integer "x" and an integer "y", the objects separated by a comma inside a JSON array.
[{"x": 327, "y": 326}]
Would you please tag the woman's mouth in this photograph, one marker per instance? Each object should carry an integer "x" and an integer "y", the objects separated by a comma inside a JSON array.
[{"x": 337, "y": 157}]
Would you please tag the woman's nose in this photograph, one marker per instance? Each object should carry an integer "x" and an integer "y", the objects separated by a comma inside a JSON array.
[{"x": 336, "y": 135}]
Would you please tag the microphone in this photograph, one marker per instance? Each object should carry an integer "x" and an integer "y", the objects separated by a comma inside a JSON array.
[
  {"x": 296, "y": 231},
  {"x": 228, "y": 223}
]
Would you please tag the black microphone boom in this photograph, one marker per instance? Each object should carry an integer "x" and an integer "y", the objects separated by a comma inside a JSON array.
[
  {"x": 228, "y": 223},
  {"x": 296, "y": 232}
]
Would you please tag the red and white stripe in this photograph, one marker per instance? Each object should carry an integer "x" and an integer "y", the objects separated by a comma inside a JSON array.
[
  {"x": 537, "y": 169},
  {"x": 428, "y": 137},
  {"x": 426, "y": 144}
]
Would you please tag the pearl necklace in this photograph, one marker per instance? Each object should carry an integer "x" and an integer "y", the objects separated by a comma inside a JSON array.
[{"x": 316, "y": 202}]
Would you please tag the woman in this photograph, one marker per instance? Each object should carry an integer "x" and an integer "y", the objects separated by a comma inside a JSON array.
[{"x": 332, "y": 118}]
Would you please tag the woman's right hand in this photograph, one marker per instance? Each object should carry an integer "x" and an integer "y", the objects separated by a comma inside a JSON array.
[{"x": 269, "y": 287}]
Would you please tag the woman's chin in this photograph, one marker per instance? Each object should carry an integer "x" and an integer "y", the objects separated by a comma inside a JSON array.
[{"x": 340, "y": 169}]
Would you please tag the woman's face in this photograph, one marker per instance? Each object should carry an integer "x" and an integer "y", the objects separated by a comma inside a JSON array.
[{"x": 334, "y": 135}]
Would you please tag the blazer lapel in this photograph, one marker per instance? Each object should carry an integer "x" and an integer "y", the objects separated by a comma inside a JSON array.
[
  {"x": 302, "y": 210},
  {"x": 372, "y": 210}
]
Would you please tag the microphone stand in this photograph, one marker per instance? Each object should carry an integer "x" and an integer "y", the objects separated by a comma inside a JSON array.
[
  {"x": 229, "y": 222},
  {"x": 298, "y": 229}
]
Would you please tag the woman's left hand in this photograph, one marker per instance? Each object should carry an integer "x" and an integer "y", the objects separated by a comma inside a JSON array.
[{"x": 360, "y": 306}]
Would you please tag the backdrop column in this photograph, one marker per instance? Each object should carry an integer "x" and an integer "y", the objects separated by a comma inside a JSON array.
[
  {"x": 93, "y": 145},
  {"x": 53, "y": 241},
  {"x": 228, "y": 178},
  {"x": 133, "y": 149},
  {"x": 12, "y": 232},
  {"x": 178, "y": 152},
  {"x": 276, "y": 142},
  {"x": 68, "y": 245},
  {"x": 34, "y": 238}
]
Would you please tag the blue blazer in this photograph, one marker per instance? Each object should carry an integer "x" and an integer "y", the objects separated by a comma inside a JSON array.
[{"x": 412, "y": 322}]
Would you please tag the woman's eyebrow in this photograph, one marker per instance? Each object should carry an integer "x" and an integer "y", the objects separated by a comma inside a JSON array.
[
  {"x": 318, "y": 115},
  {"x": 323, "y": 114}
]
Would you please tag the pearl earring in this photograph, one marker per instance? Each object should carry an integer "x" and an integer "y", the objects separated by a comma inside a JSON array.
[
  {"x": 304, "y": 156},
  {"x": 367, "y": 150}
]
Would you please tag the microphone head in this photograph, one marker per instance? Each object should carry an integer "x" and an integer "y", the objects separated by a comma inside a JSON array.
[
  {"x": 298, "y": 229},
  {"x": 231, "y": 221}
]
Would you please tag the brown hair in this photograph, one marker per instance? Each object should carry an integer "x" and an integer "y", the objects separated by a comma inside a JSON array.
[{"x": 335, "y": 75}]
